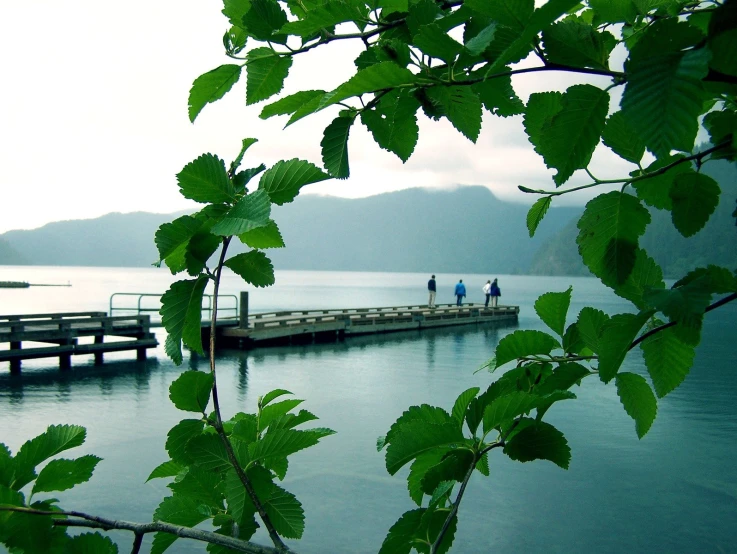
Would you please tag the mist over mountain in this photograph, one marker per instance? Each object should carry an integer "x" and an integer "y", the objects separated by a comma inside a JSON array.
[{"x": 464, "y": 230}]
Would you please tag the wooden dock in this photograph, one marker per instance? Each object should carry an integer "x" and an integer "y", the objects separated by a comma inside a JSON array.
[
  {"x": 63, "y": 331},
  {"x": 302, "y": 326}
]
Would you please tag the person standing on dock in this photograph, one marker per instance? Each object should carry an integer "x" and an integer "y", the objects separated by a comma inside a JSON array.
[
  {"x": 431, "y": 289},
  {"x": 495, "y": 292},
  {"x": 487, "y": 292},
  {"x": 460, "y": 292}
]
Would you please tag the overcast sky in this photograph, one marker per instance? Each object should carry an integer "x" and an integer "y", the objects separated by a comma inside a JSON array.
[{"x": 94, "y": 116}]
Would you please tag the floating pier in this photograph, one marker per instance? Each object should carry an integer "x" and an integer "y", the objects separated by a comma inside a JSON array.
[
  {"x": 63, "y": 331},
  {"x": 301, "y": 326}
]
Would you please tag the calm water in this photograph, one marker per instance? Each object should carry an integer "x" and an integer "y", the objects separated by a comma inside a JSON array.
[{"x": 674, "y": 491}]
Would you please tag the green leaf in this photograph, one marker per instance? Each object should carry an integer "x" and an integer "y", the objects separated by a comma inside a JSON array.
[
  {"x": 272, "y": 395},
  {"x": 286, "y": 513},
  {"x": 668, "y": 360},
  {"x": 695, "y": 197},
  {"x": 541, "y": 108},
  {"x": 436, "y": 43},
  {"x": 393, "y": 6},
  {"x": 609, "y": 231},
  {"x": 539, "y": 441},
  {"x": 199, "y": 249},
  {"x": 646, "y": 275},
  {"x": 537, "y": 213},
  {"x": 169, "y": 468},
  {"x": 621, "y": 136},
  {"x": 417, "y": 437},
  {"x": 323, "y": 16},
  {"x": 191, "y": 391},
  {"x": 283, "y": 181},
  {"x": 575, "y": 43},
  {"x": 524, "y": 343},
  {"x": 172, "y": 240},
  {"x": 382, "y": 76},
  {"x": 211, "y": 86},
  {"x": 508, "y": 407},
  {"x": 7, "y": 466},
  {"x": 461, "y": 404},
  {"x": 685, "y": 305},
  {"x": 563, "y": 378},
  {"x": 273, "y": 412},
  {"x": 552, "y": 308},
  {"x": 254, "y": 267},
  {"x": 722, "y": 39},
  {"x": 282, "y": 443},
  {"x": 246, "y": 143},
  {"x": 615, "y": 341},
  {"x": 234, "y": 10},
  {"x": 462, "y": 107},
  {"x": 453, "y": 467},
  {"x": 638, "y": 400},
  {"x": 91, "y": 543},
  {"x": 425, "y": 412},
  {"x": 178, "y": 438},
  {"x": 568, "y": 141},
  {"x": 201, "y": 486},
  {"x": 250, "y": 212},
  {"x": 263, "y": 19},
  {"x": 208, "y": 453},
  {"x": 614, "y": 11},
  {"x": 715, "y": 279},
  {"x": 267, "y": 236},
  {"x": 335, "y": 147},
  {"x": 265, "y": 72},
  {"x": 289, "y": 104},
  {"x": 540, "y": 19},
  {"x": 655, "y": 190},
  {"x": 179, "y": 510},
  {"x": 206, "y": 180},
  {"x": 663, "y": 98},
  {"x": 56, "y": 439},
  {"x": 181, "y": 316},
  {"x": 419, "y": 469},
  {"x": 481, "y": 41},
  {"x": 399, "y": 539},
  {"x": 60, "y": 475},
  {"x": 498, "y": 96},
  {"x": 393, "y": 123}
]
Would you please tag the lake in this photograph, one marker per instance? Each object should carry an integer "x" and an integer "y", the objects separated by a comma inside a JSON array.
[{"x": 673, "y": 491}]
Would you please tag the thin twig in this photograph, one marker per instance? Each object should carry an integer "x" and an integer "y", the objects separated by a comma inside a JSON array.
[{"x": 96, "y": 522}]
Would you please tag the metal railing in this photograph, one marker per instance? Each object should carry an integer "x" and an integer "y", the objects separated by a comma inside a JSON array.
[{"x": 224, "y": 311}]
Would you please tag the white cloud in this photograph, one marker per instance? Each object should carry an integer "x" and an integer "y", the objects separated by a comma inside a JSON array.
[{"x": 94, "y": 116}]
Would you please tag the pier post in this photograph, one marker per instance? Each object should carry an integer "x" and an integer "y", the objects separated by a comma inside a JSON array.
[
  {"x": 243, "y": 320},
  {"x": 98, "y": 355}
]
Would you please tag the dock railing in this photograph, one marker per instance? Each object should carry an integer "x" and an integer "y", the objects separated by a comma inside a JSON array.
[{"x": 228, "y": 308}]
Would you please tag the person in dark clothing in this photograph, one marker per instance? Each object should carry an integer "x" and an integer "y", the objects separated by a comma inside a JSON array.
[
  {"x": 460, "y": 292},
  {"x": 495, "y": 292},
  {"x": 431, "y": 289}
]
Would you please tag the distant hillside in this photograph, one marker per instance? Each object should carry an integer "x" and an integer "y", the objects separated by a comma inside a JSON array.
[
  {"x": 9, "y": 256},
  {"x": 714, "y": 244},
  {"x": 465, "y": 230}
]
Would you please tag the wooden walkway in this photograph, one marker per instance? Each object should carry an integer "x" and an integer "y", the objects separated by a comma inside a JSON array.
[
  {"x": 62, "y": 331},
  {"x": 323, "y": 325}
]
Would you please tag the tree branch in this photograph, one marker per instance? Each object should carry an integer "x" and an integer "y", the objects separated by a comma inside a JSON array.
[
  {"x": 651, "y": 332},
  {"x": 454, "y": 510},
  {"x": 96, "y": 522},
  {"x": 275, "y": 538}
]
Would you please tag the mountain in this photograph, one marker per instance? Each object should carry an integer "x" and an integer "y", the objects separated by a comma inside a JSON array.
[
  {"x": 676, "y": 255},
  {"x": 9, "y": 256},
  {"x": 466, "y": 230}
]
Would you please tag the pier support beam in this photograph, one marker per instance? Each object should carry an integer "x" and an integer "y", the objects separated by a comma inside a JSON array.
[
  {"x": 243, "y": 319},
  {"x": 98, "y": 355}
]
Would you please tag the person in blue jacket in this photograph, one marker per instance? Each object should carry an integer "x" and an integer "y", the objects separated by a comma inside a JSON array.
[
  {"x": 460, "y": 292},
  {"x": 495, "y": 292}
]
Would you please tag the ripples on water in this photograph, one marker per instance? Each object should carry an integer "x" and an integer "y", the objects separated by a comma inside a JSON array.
[{"x": 674, "y": 491}]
